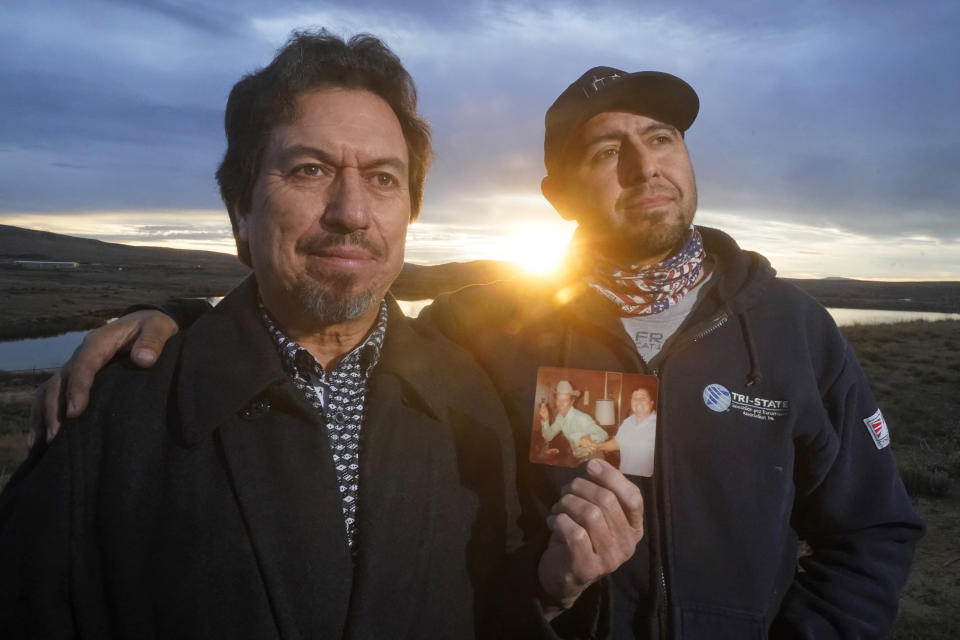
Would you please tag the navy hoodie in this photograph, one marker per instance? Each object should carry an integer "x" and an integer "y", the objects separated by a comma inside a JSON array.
[{"x": 763, "y": 439}]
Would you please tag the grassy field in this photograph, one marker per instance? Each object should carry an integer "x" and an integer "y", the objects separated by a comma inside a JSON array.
[
  {"x": 915, "y": 369},
  {"x": 110, "y": 277}
]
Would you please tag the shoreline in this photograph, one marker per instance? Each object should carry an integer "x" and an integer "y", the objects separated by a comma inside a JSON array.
[
  {"x": 51, "y": 327},
  {"x": 48, "y": 327}
]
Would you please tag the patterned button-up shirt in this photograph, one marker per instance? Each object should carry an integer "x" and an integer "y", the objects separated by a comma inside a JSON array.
[{"x": 339, "y": 395}]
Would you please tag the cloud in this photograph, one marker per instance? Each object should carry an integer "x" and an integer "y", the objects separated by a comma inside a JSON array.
[
  {"x": 218, "y": 21},
  {"x": 802, "y": 250},
  {"x": 815, "y": 113}
]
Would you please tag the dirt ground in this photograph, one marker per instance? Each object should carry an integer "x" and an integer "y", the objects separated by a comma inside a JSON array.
[{"x": 915, "y": 369}]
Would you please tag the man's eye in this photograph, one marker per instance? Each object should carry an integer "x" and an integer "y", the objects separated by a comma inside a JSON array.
[
  {"x": 309, "y": 170},
  {"x": 606, "y": 154},
  {"x": 662, "y": 139},
  {"x": 384, "y": 180}
]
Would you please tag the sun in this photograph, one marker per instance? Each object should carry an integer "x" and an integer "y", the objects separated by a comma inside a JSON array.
[{"x": 537, "y": 248}]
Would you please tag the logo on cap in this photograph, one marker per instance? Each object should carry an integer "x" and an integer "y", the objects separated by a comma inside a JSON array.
[{"x": 597, "y": 83}]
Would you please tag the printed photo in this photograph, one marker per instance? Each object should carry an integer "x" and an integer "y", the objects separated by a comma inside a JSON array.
[{"x": 580, "y": 414}]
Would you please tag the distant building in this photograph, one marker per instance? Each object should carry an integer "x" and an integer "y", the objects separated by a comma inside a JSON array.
[{"x": 48, "y": 265}]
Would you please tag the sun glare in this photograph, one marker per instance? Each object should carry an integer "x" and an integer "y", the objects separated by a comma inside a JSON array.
[{"x": 536, "y": 248}]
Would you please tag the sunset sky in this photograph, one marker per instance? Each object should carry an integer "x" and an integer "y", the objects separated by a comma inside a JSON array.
[{"x": 828, "y": 136}]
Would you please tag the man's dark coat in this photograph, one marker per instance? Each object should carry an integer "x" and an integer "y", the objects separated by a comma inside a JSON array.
[{"x": 198, "y": 499}]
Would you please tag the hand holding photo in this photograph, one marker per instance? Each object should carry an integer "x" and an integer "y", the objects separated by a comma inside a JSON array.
[{"x": 619, "y": 426}]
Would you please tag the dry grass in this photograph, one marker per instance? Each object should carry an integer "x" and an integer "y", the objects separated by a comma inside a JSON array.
[
  {"x": 915, "y": 370},
  {"x": 16, "y": 397}
]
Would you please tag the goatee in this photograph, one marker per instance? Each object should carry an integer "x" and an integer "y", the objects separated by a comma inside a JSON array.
[{"x": 331, "y": 306}]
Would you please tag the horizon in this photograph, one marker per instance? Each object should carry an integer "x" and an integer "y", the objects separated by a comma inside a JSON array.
[
  {"x": 229, "y": 249},
  {"x": 826, "y": 138}
]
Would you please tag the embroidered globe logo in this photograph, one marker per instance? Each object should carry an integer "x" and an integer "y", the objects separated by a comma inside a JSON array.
[{"x": 716, "y": 397}]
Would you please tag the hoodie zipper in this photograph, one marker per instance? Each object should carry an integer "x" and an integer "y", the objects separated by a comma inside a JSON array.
[
  {"x": 663, "y": 605},
  {"x": 715, "y": 323},
  {"x": 657, "y": 554},
  {"x": 663, "y": 615},
  {"x": 662, "y": 601},
  {"x": 663, "y": 596}
]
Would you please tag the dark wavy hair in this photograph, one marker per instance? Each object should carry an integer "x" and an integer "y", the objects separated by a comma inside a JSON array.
[{"x": 312, "y": 60}]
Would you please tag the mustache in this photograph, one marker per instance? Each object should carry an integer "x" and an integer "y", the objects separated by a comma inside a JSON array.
[
  {"x": 639, "y": 193},
  {"x": 317, "y": 244}
]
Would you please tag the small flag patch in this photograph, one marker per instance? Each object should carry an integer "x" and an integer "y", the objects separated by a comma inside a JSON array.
[{"x": 877, "y": 427}]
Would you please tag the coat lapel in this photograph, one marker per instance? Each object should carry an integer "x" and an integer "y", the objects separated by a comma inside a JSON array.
[
  {"x": 275, "y": 449},
  {"x": 287, "y": 491},
  {"x": 398, "y": 481}
]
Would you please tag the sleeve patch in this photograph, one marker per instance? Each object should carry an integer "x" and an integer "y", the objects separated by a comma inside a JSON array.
[{"x": 877, "y": 427}]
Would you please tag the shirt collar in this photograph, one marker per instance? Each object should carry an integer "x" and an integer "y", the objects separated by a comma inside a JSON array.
[{"x": 298, "y": 362}]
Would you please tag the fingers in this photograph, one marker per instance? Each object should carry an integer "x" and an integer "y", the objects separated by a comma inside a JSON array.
[
  {"x": 155, "y": 330},
  {"x": 627, "y": 493},
  {"x": 146, "y": 331},
  {"x": 595, "y": 527},
  {"x": 566, "y": 567},
  {"x": 610, "y": 514},
  {"x": 43, "y": 411},
  {"x": 591, "y": 523},
  {"x": 602, "y": 524},
  {"x": 94, "y": 352},
  {"x": 53, "y": 408},
  {"x": 584, "y": 564},
  {"x": 67, "y": 392},
  {"x": 588, "y": 444}
]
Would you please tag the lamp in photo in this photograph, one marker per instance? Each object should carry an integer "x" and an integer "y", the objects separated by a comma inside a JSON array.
[
  {"x": 606, "y": 412},
  {"x": 606, "y": 407}
]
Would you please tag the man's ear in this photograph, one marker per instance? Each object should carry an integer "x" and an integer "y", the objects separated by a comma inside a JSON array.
[
  {"x": 556, "y": 195},
  {"x": 241, "y": 236},
  {"x": 242, "y": 231}
]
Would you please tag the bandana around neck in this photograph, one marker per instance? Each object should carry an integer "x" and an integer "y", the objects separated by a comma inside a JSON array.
[{"x": 649, "y": 289}]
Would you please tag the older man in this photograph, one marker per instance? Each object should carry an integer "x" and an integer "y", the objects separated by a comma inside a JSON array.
[
  {"x": 290, "y": 467},
  {"x": 636, "y": 437},
  {"x": 768, "y": 430}
]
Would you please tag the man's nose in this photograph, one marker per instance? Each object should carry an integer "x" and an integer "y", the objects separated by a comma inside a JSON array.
[
  {"x": 347, "y": 205},
  {"x": 637, "y": 164}
]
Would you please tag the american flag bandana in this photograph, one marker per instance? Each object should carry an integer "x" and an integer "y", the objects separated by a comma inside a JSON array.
[{"x": 650, "y": 289}]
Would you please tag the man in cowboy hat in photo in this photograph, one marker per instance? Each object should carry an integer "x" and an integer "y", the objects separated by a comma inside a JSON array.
[{"x": 576, "y": 426}]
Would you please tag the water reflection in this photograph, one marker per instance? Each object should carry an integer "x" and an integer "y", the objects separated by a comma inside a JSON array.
[
  {"x": 848, "y": 317},
  {"x": 38, "y": 353}
]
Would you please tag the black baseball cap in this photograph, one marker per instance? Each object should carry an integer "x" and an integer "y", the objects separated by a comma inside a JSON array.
[{"x": 658, "y": 95}]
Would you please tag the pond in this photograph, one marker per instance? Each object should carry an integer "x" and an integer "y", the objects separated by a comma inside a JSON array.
[
  {"x": 38, "y": 353},
  {"x": 49, "y": 353},
  {"x": 847, "y": 317}
]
